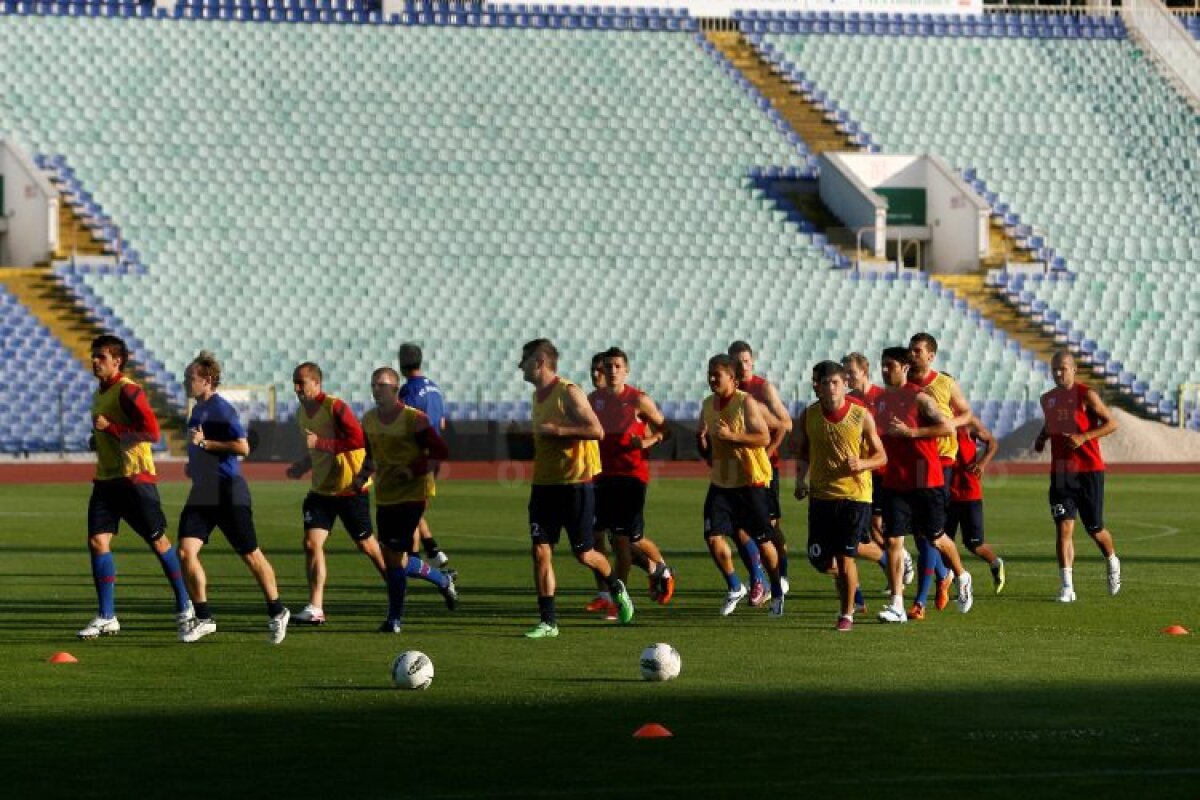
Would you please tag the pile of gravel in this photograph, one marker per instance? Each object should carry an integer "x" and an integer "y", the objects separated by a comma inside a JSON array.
[{"x": 1135, "y": 441}]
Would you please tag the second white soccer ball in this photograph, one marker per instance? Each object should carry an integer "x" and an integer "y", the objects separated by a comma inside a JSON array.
[
  {"x": 412, "y": 669},
  {"x": 660, "y": 662}
]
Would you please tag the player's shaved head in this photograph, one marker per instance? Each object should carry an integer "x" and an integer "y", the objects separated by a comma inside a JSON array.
[
  {"x": 385, "y": 372},
  {"x": 1062, "y": 357}
]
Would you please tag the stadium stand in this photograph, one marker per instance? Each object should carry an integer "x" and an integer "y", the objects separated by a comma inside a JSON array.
[
  {"x": 1119, "y": 207},
  {"x": 322, "y": 191}
]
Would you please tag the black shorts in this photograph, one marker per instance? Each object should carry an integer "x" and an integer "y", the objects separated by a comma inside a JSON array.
[
  {"x": 878, "y": 495},
  {"x": 136, "y": 503},
  {"x": 774, "y": 508},
  {"x": 968, "y": 515},
  {"x": 947, "y": 477},
  {"x": 224, "y": 505},
  {"x": 920, "y": 512},
  {"x": 727, "y": 511},
  {"x": 553, "y": 507},
  {"x": 835, "y": 528},
  {"x": 1079, "y": 493},
  {"x": 321, "y": 511},
  {"x": 398, "y": 525},
  {"x": 620, "y": 501}
]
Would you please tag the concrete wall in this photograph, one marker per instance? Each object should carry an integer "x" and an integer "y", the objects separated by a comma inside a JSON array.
[
  {"x": 850, "y": 198},
  {"x": 29, "y": 229}
]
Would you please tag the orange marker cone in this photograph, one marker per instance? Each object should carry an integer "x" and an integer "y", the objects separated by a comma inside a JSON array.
[
  {"x": 63, "y": 658},
  {"x": 652, "y": 730},
  {"x": 1176, "y": 630}
]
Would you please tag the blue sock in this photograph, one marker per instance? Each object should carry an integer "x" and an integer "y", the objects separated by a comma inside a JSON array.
[
  {"x": 776, "y": 587},
  {"x": 858, "y": 597},
  {"x": 397, "y": 585},
  {"x": 940, "y": 570},
  {"x": 748, "y": 550},
  {"x": 419, "y": 569},
  {"x": 733, "y": 581},
  {"x": 104, "y": 575},
  {"x": 927, "y": 555},
  {"x": 170, "y": 567}
]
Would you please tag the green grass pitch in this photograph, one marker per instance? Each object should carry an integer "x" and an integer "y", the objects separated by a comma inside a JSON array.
[{"x": 1020, "y": 697}]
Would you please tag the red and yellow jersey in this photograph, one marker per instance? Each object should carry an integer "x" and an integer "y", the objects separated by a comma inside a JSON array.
[
  {"x": 733, "y": 466},
  {"x": 618, "y": 415},
  {"x": 123, "y": 448},
  {"x": 964, "y": 486},
  {"x": 940, "y": 387},
  {"x": 340, "y": 449},
  {"x": 832, "y": 440},
  {"x": 911, "y": 463},
  {"x": 557, "y": 459},
  {"x": 868, "y": 399},
  {"x": 397, "y": 447},
  {"x": 756, "y": 387},
  {"x": 1066, "y": 412}
]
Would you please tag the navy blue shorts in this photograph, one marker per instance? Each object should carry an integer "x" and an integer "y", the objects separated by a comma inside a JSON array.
[
  {"x": 398, "y": 525},
  {"x": 1079, "y": 493},
  {"x": 835, "y": 528},
  {"x": 224, "y": 505},
  {"x": 620, "y": 502},
  {"x": 878, "y": 495},
  {"x": 968, "y": 515},
  {"x": 557, "y": 506},
  {"x": 727, "y": 511},
  {"x": 321, "y": 511},
  {"x": 917, "y": 512},
  {"x": 136, "y": 503},
  {"x": 774, "y": 507}
]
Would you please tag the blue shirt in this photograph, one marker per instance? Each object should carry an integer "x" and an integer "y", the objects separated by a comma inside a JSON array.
[
  {"x": 424, "y": 395},
  {"x": 219, "y": 422}
]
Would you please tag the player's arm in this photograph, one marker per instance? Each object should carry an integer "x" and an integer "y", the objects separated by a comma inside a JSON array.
[
  {"x": 1101, "y": 413},
  {"x": 938, "y": 425},
  {"x": 431, "y": 443},
  {"x": 143, "y": 425},
  {"x": 655, "y": 421},
  {"x": 959, "y": 407},
  {"x": 987, "y": 446},
  {"x": 367, "y": 470},
  {"x": 800, "y": 451},
  {"x": 756, "y": 433},
  {"x": 702, "y": 442},
  {"x": 349, "y": 433},
  {"x": 875, "y": 456},
  {"x": 225, "y": 435},
  {"x": 582, "y": 422},
  {"x": 780, "y": 424}
]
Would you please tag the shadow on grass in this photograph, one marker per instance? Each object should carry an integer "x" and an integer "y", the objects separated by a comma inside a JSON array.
[{"x": 370, "y": 742}]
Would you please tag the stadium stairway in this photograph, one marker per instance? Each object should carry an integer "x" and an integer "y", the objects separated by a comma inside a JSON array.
[{"x": 1019, "y": 326}]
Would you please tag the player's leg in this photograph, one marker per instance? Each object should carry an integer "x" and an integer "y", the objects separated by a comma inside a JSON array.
[
  {"x": 753, "y": 515},
  {"x": 103, "y": 522},
  {"x": 897, "y": 521},
  {"x": 355, "y": 514},
  {"x": 544, "y": 528},
  {"x": 718, "y": 524},
  {"x": 319, "y": 516},
  {"x": 145, "y": 516},
  {"x": 579, "y": 516},
  {"x": 433, "y": 552},
  {"x": 398, "y": 532},
  {"x": 775, "y": 511},
  {"x": 1091, "y": 514},
  {"x": 194, "y": 529},
  {"x": 443, "y": 579},
  {"x": 237, "y": 523}
]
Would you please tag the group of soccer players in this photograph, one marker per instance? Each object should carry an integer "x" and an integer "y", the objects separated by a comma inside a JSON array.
[{"x": 877, "y": 463}]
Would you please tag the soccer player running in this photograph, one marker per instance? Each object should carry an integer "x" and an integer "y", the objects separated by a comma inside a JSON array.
[
  {"x": 632, "y": 425},
  {"x": 336, "y": 450},
  {"x": 837, "y": 446},
  {"x": 403, "y": 448},
  {"x": 219, "y": 498},
  {"x": 779, "y": 425},
  {"x": 976, "y": 448},
  {"x": 603, "y": 600},
  {"x": 424, "y": 395},
  {"x": 125, "y": 485},
  {"x": 1075, "y": 421},
  {"x": 733, "y": 437},
  {"x": 909, "y": 424},
  {"x": 873, "y": 546},
  {"x": 954, "y": 407},
  {"x": 566, "y": 459}
]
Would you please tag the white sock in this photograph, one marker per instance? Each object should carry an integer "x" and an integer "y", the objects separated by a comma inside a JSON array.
[
  {"x": 1113, "y": 561},
  {"x": 996, "y": 564},
  {"x": 897, "y": 601},
  {"x": 1068, "y": 580}
]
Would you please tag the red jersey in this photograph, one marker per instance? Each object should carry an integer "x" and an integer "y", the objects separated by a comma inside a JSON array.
[
  {"x": 867, "y": 400},
  {"x": 1066, "y": 413},
  {"x": 964, "y": 486},
  {"x": 911, "y": 463},
  {"x": 756, "y": 387},
  {"x": 618, "y": 415}
]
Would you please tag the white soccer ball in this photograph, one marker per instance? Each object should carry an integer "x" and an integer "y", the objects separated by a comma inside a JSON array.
[
  {"x": 660, "y": 662},
  {"x": 412, "y": 669}
]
